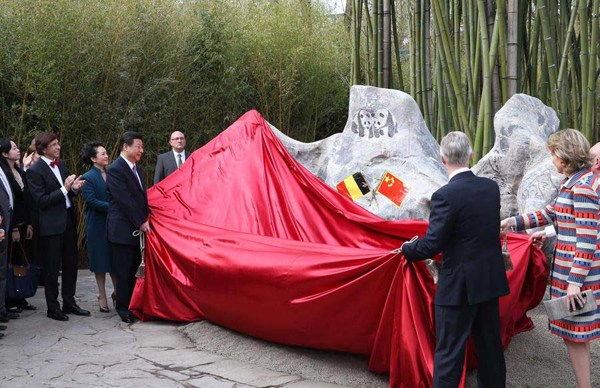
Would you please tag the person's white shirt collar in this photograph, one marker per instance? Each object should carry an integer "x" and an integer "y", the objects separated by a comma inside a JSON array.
[
  {"x": 182, "y": 153},
  {"x": 128, "y": 162},
  {"x": 456, "y": 172},
  {"x": 45, "y": 159}
]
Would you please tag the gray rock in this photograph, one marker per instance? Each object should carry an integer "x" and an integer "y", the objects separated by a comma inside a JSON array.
[
  {"x": 519, "y": 161},
  {"x": 385, "y": 131}
]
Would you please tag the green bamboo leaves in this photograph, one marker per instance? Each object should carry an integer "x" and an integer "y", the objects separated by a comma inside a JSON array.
[{"x": 467, "y": 58}]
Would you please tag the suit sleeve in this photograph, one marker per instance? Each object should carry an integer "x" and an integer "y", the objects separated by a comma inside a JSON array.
[
  {"x": 40, "y": 198},
  {"x": 441, "y": 222},
  {"x": 159, "y": 171},
  {"x": 91, "y": 200},
  {"x": 117, "y": 183}
]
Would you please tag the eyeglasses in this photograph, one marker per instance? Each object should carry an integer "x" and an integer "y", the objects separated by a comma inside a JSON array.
[{"x": 178, "y": 138}]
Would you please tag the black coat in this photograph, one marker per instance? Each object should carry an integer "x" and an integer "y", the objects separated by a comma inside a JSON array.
[
  {"x": 464, "y": 226},
  {"x": 21, "y": 209},
  {"x": 47, "y": 197},
  {"x": 128, "y": 204}
]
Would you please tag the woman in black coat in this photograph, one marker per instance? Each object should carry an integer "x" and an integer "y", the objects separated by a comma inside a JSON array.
[{"x": 22, "y": 231}]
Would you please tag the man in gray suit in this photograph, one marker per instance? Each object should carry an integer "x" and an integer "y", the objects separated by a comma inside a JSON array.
[{"x": 170, "y": 161}]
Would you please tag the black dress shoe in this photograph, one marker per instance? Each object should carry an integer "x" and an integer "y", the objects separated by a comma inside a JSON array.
[
  {"x": 57, "y": 315},
  {"x": 6, "y": 316},
  {"x": 2, "y": 327},
  {"x": 1, "y": 335},
  {"x": 128, "y": 318},
  {"x": 12, "y": 315},
  {"x": 76, "y": 310},
  {"x": 29, "y": 307},
  {"x": 17, "y": 310}
]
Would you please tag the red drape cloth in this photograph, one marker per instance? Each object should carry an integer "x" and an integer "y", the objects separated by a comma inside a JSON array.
[{"x": 246, "y": 237}]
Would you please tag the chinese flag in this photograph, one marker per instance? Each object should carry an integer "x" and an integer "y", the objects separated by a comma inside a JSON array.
[{"x": 393, "y": 188}]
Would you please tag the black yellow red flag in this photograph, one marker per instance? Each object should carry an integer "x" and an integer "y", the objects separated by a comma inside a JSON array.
[
  {"x": 354, "y": 186},
  {"x": 393, "y": 188}
]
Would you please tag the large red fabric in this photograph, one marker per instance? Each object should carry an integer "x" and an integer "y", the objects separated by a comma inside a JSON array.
[{"x": 246, "y": 237}]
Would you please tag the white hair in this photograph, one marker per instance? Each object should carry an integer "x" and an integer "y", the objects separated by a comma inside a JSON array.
[{"x": 456, "y": 149}]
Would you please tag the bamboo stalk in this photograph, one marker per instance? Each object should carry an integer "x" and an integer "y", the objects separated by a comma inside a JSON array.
[
  {"x": 584, "y": 58},
  {"x": 450, "y": 62},
  {"x": 567, "y": 46},
  {"x": 397, "y": 48},
  {"x": 593, "y": 72},
  {"x": 550, "y": 47},
  {"x": 356, "y": 42},
  {"x": 483, "y": 130},
  {"x": 502, "y": 51},
  {"x": 512, "y": 57},
  {"x": 386, "y": 45}
]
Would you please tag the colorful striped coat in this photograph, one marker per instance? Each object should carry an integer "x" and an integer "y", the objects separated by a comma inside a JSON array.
[{"x": 574, "y": 214}]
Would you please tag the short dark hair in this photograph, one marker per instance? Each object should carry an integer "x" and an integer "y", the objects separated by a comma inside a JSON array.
[
  {"x": 128, "y": 138},
  {"x": 42, "y": 140},
  {"x": 89, "y": 151}
]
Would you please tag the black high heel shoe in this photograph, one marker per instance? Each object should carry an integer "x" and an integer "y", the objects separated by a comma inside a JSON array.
[{"x": 113, "y": 296}]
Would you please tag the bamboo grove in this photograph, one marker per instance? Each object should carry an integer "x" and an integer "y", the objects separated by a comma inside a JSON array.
[{"x": 467, "y": 58}]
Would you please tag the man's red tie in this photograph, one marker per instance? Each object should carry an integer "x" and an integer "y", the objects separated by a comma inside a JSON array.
[{"x": 54, "y": 163}]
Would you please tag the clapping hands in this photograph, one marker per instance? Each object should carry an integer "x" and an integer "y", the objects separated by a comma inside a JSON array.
[{"x": 74, "y": 183}]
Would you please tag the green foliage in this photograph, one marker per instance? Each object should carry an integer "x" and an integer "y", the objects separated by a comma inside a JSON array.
[{"x": 91, "y": 69}]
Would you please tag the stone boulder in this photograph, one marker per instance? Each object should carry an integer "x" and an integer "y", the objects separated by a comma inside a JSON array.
[
  {"x": 385, "y": 131},
  {"x": 519, "y": 161}
]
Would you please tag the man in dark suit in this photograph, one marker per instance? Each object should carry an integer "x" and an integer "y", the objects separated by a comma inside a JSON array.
[
  {"x": 170, "y": 161},
  {"x": 127, "y": 212},
  {"x": 464, "y": 227},
  {"x": 51, "y": 188}
]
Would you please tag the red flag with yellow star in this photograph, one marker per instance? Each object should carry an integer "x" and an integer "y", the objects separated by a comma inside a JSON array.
[{"x": 393, "y": 188}]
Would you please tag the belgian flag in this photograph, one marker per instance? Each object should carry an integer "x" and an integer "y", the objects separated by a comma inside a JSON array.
[{"x": 354, "y": 187}]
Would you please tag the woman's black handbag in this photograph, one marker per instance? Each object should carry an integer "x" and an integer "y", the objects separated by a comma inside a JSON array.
[{"x": 21, "y": 280}]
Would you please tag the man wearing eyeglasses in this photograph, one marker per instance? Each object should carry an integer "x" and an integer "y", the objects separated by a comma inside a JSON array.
[{"x": 170, "y": 161}]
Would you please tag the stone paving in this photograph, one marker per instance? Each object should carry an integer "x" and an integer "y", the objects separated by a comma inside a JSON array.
[{"x": 102, "y": 351}]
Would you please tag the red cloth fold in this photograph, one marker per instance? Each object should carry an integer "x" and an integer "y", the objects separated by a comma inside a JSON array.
[{"x": 246, "y": 237}]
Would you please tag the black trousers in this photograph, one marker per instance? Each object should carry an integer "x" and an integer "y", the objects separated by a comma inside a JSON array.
[
  {"x": 453, "y": 324},
  {"x": 56, "y": 250},
  {"x": 125, "y": 260}
]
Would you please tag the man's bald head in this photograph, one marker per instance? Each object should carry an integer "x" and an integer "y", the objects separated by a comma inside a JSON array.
[
  {"x": 177, "y": 141},
  {"x": 595, "y": 154}
]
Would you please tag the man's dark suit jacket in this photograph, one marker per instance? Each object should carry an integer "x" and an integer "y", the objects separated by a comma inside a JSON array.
[
  {"x": 166, "y": 165},
  {"x": 464, "y": 226},
  {"x": 48, "y": 199},
  {"x": 128, "y": 205}
]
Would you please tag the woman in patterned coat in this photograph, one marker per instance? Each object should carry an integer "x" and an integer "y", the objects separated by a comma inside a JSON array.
[{"x": 576, "y": 261}]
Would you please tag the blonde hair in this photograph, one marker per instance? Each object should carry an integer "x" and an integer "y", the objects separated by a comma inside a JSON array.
[{"x": 572, "y": 148}]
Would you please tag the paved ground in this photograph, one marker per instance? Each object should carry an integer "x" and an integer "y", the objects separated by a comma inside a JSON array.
[{"x": 101, "y": 351}]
